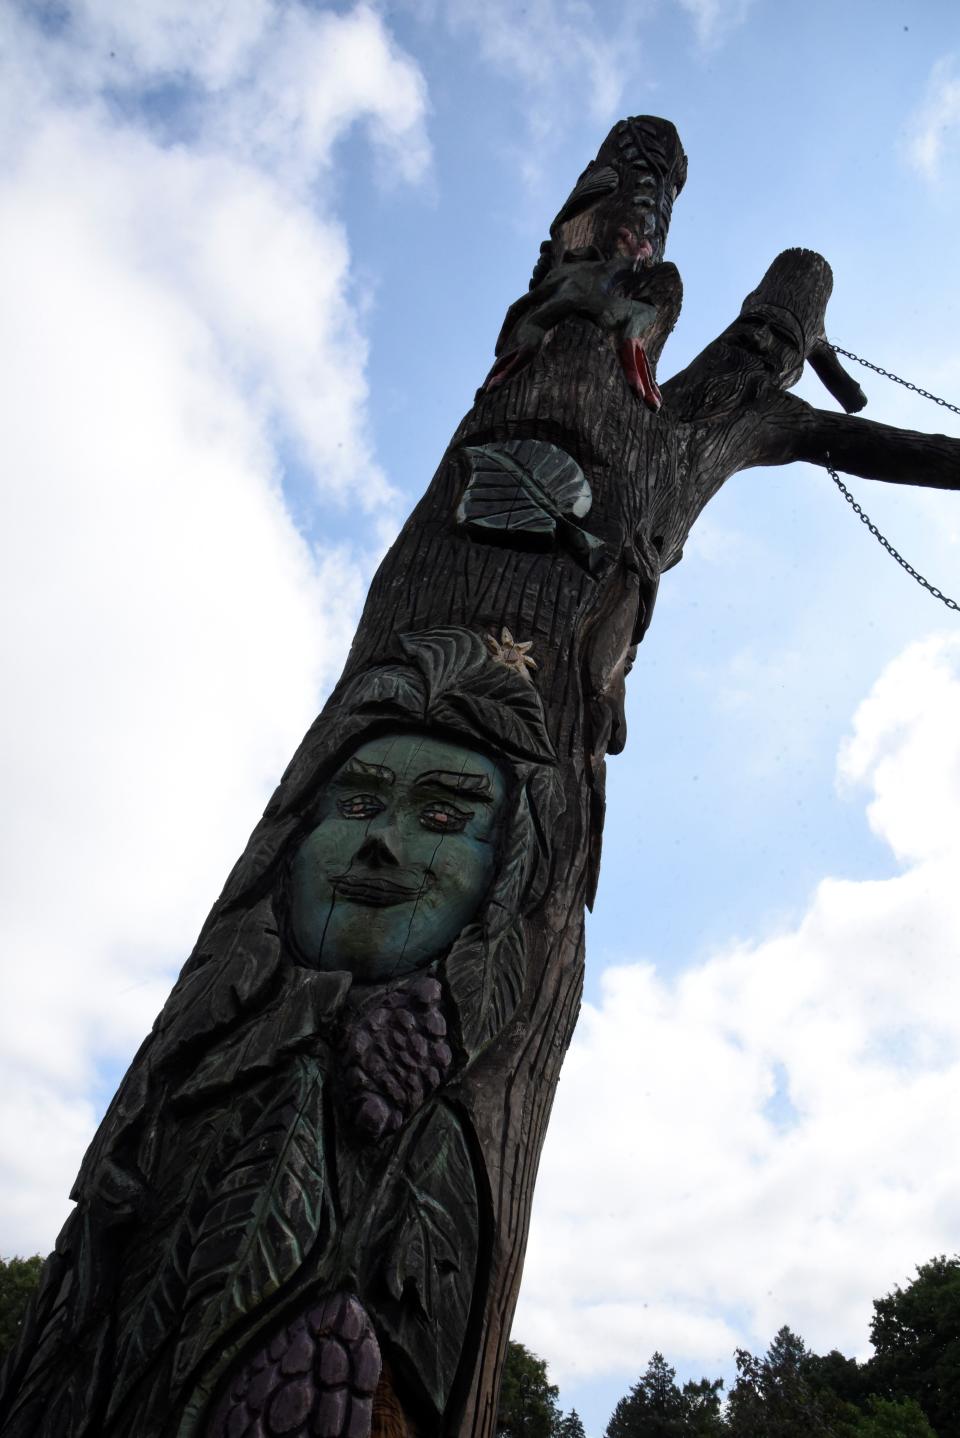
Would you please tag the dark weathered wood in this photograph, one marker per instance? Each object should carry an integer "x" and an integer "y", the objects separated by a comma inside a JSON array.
[{"x": 306, "y": 1209}]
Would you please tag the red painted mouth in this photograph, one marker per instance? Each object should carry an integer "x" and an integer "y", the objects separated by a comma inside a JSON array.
[
  {"x": 639, "y": 375},
  {"x": 639, "y": 250}
]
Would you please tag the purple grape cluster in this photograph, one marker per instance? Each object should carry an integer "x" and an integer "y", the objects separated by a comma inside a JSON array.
[
  {"x": 394, "y": 1055},
  {"x": 315, "y": 1379}
]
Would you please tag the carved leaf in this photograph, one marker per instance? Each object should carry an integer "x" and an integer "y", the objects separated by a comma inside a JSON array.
[
  {"x": 290, "y": 1022},
  {"x": 522, "y": 487},
  {"x": 516, "y": 860},
  {"x": 462, "y": 682},
  {"x": 265, "y": 844},
  {"x": 153, "y": 1286},
  {"x": 264, "y": 1215},
  {"x": 425, "y": 1245},
  {"x": 486, "y": 971},
  {"x": 445, "y": 656},
  {"x": 486, "y": 982},
  {"x": 596, "y": 182},
  {"x": 385, "y": 689},
  {"x": 518, "y": 729},
  {"x": 244, "y": 954},
  {"x": 422, "y": 1252}
]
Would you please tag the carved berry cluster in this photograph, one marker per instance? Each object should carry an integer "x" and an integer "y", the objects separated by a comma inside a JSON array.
[
  {"x": 394, "y": 1055},
  {"x": 315, "y": 1379}
]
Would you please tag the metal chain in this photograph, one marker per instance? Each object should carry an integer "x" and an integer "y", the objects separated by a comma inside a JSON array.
[
  {"x": 865, "y": 518},
  {"x": 923, "y": 393},
  {"x": 881, "y": 539}
]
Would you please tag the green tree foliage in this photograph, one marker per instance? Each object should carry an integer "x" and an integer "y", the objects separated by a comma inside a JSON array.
[
  {"x": 834, "y": 1373},
  {"x": 18, "y": 1278},
  {"x": 653, "y": 1408},
  {"x": 702, "y": 1404},
  {"x": 909, "y": 1389},
  {"x": 916, "y": 1338},
  {"x": 570, "y": 1426},
  {"x": 528, "y": 1400},
  {"x": 887, "y": 1418},
  {"x": 656, "y": 1408},
  {"x": 780, "y": 1395}
]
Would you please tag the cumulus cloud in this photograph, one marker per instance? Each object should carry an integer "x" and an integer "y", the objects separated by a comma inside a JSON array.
[
  {"x": 761, "y": 1140},
  {"x": 179, "y": 326},
  {"x": 935, "y": 126}
]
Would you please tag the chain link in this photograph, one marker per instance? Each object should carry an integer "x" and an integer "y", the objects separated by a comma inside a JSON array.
[
  {"x": 881, "y": 539},
  {"x": 923, "y": 393},
  {"x": 865, "y": 518}
]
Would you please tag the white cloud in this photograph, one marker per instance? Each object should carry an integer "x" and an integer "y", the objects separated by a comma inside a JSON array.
[
  {"x": 714, "y": 19},
  {"x": 178, "y": 314},
  {"x": 935, "y": 126},
  {"x": 549, "y": 49},
  {"x": 904, "y": 743},
  {"x": 762, "y": 1140},
  {"x": 548, "y": 43},
  {"x": 554, "y": 49}
]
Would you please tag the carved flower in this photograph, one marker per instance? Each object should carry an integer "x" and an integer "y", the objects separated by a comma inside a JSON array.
[{"x": 511, "y": 653}]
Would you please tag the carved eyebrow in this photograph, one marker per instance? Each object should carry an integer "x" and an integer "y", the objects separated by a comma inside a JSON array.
[
  {"x": 359, "y": 769},
  {"x": 477, "y": 786}
]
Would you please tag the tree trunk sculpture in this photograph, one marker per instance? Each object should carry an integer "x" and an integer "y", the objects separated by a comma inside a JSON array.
[{"x": 305, "y": 1211}]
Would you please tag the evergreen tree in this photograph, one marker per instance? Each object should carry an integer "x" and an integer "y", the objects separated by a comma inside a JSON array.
[
  {"x": 702, "y": 1408},
  {"x": 775, "y": 1397},
  {"x": 654, "y": 1407},
  {"x": 570, "y": 1426}
]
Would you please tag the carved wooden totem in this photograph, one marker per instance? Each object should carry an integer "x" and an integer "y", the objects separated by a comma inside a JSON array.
[{"x": 305, "y": 1211}]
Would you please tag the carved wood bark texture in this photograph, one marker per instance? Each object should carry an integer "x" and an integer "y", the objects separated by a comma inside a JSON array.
[{"x": 305, "y": 1211}]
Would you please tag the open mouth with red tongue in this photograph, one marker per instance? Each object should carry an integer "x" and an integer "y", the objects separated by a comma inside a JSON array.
[
  {"x": 639, "y": 375},
  {"x": 630, "y": 244},
  {"x": 633, "y": 357}
]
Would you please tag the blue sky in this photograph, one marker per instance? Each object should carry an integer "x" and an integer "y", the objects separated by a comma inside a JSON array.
[{"x": 255, "y": 259}]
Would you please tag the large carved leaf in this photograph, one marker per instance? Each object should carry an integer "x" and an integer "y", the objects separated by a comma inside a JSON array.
[
  {"x": 486, "y": 968},
  {"x": 291, "y": 1021},
  {"x": 264, "y": 1216},
  {"x": 464, "y": 684},
  {"x": 242, "y": 954},
  {"x": 445, "y": 656},
  {"x": 522, "y": 487},
  {"x": 517, "y": 727},
  {"x": 102, "y": 1181},
  {"x": 233, "y": 966},
  {"x": 263, "y": 848},
  {"x": 422, "y": 1252},
  {"x": 388, "y": 689},
  {"x": 485, "y": 977},
  {"x": 153, "y": 1285}
]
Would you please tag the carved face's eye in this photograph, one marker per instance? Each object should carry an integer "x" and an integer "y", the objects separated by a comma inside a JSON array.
[
  {"x": 361, "y": 806},
  {"x": 444, "y": 818}
]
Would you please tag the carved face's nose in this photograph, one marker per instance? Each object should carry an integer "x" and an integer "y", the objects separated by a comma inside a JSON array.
[{"x": 377, "y": 853}]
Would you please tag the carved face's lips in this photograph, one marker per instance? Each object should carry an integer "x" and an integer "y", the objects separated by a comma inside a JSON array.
[{"x": 376, "y": 892}]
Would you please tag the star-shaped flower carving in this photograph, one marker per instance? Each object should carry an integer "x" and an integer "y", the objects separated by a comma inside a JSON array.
[{"x": 511, "y": 653}]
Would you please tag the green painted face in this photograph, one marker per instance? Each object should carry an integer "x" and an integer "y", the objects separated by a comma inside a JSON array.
[{"x": 402, "y": 855}]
